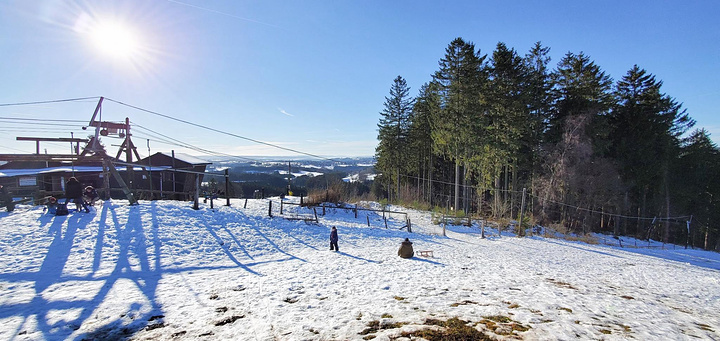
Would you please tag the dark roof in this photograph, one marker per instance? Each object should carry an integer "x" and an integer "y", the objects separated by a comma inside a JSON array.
[{"x": 182, "y": 157}]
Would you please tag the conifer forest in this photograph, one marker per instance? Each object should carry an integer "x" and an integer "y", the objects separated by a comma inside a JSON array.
[{"x": 503, "y": 135}]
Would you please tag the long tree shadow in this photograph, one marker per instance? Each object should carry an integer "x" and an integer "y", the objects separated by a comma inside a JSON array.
[
  {"x": 273, "y": 244},
  {"x": 579, "y": 247},
  {"x": 232, "y": 235},
  {"x": 227, "y": 252},
  {"x": 358, "y": 257}
]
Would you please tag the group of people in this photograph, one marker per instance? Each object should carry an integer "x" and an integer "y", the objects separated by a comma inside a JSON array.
[
  {"x": 405, "y": 251},
  {"x": 74, "y": 192}
]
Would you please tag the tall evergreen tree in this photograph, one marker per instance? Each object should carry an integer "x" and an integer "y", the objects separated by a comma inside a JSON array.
[
  {"x": 541, "y": 100},
  {"x": 697, "y": 170},
  {"x": 393, "y": 131},
  {"x": 582, "y": 88},
  {"x": 505, "y": 122},
  {"x": 460, "y": 81},
  {"x": 541, "y": 97},
  {"x": 646, "y": 128},
  {"x": 425, "y": 112}
]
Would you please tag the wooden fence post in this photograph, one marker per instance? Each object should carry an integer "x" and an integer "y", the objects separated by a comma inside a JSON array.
[
  {"x": 270, "y": 208},
  {"x": 355, "y": 211},
  {"x": 245, "y": 206},
  {"x": 281, "y": 206},
  {"x": 368, "y": 220}
]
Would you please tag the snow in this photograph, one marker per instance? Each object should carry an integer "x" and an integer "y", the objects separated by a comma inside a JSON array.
[
  {"x": 163, "y": 271},
  {"x": 301, "y": 173}
]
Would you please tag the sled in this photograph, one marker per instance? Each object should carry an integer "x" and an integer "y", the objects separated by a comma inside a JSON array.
[{"x": 425, "y": 253}]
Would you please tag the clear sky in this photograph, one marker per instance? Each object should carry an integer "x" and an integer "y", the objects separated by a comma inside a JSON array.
[{"x": 308, "y": 75}]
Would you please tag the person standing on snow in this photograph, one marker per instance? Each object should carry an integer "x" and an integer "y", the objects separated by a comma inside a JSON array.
[
  {"x": 334, "y": 239},
  {"x": 406, "y": 249},
  {"x": 74, "y": 192}
]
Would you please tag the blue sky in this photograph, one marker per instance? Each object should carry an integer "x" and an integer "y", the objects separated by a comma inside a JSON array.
[{"x": 311, "y": 75}]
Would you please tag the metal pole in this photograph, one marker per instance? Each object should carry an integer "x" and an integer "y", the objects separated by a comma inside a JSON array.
[
  {"x": 128, "y": 154},
  {"x": 289, "y": 174},
  {"x": 196, "y": 204},
  {"x": 227, "y": 186},
  {"x": 152, "y": 195}
]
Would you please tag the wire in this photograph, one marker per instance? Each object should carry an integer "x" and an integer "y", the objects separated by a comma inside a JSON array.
[
  {"x": 221, "y": 132},
  {"x": 187, "y": 145},
  {"x": 39, "y": 119},
  {"x": 51, "y": 101},
  {"x": 43, "y": 124},
  {"x": 678, "y": 218}
]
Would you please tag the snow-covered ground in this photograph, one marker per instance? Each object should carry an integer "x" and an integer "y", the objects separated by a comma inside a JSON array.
[{"x": 163, "y": 271}]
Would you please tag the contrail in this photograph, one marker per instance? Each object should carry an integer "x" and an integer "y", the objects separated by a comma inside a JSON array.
[{"x": 223, "y": 13}]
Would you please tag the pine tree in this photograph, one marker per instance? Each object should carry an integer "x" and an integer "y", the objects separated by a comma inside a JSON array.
[
  {"x": 646, "y": 128},
  {"x": 697, "y": 170},
  {"x": 582, "y": 88},
  {"x": 425, "y": 111},
  {"x": 460, "y": 79},
  {"x": 506, "y": 121},
  {"x": 393, "y": 131}
]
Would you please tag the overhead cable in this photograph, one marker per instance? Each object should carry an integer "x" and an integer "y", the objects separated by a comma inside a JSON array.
[
  {"x": 50, "y": 101},
  {"x": 221, "y": 131}
]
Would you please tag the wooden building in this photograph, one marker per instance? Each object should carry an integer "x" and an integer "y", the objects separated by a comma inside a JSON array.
[{"x": 159, "y": 176}]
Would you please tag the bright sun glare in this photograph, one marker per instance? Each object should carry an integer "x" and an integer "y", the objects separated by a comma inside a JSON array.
[
  {"x": 115, "y": 40},
  {"x": 111, "y": 38}
]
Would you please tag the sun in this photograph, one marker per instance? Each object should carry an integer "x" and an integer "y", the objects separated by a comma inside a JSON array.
[
  {"x": 115, "y": 40},
  {"x": 111, "y": 38}
]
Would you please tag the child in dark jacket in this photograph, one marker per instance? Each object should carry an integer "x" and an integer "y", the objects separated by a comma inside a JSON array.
[
  {"x": 90, "y": 196},
  {"x": 334, "y": 239},
  {"x": 51, "y": 205},
  {"x": 406, "y": 249}
]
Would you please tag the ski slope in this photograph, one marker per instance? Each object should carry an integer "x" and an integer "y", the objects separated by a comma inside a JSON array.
[{"x": 163, "y": 271}]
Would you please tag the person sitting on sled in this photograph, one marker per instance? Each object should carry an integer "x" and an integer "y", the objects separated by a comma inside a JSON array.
[
  {"x": 51, "y": 205},
  {"x": 90, "y": 196},
  {"x": 406, "y": 249}
]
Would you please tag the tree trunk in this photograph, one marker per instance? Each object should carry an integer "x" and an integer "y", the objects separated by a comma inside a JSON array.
[
  {"x": 430, "y": 181},
  {"x": 506, "y": 187},
  {"x": 616, "y": 230},
  {"x": 397, "y": 183},
  {"x": 514, "y": 183},
  {"x": 666, "y": 227},
  {"x": 457, "y": 185},
  {"x": 497, "y": 195},
  {"x": 466, "y": 192}
]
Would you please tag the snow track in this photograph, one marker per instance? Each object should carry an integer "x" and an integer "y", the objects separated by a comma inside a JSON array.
[{"x": 160, "y": 270}]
